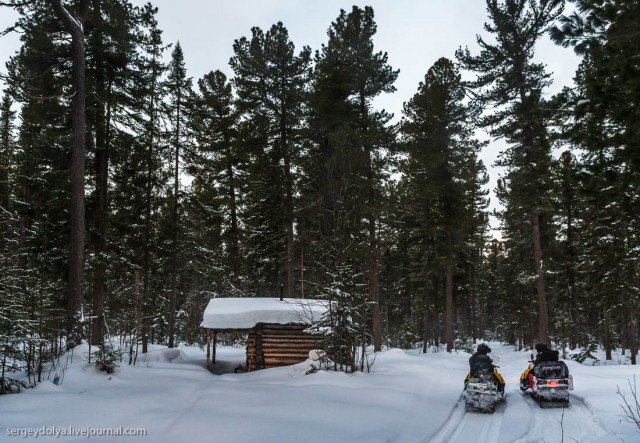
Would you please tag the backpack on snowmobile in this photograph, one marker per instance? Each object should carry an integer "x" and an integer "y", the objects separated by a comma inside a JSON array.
[{"x": 551, "y": 369}]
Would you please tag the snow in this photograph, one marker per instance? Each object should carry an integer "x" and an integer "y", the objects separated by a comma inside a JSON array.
[
  {"x": 163, "y": 355},
  {"x": 245, "y": 313},
  {"x": 409, "y": 397}
]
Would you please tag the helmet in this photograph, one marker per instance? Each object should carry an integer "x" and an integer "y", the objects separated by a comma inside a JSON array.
[
  {"x": 483, "y": 348},
  {"x": 541, "y": 347}
]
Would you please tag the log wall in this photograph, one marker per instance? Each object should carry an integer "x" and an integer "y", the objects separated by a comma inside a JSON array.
[{"x": 270, "y": 345}]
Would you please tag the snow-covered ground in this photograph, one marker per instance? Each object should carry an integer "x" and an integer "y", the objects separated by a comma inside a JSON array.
[{"x": 410, "y": 397}]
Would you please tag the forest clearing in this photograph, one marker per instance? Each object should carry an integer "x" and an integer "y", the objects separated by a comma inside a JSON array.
[{"x": 408, "y": 397}]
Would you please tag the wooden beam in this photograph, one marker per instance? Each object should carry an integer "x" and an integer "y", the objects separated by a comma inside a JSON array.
[
  {"x": 208, "y": 346},
  {"x": 215, "y": 343}
]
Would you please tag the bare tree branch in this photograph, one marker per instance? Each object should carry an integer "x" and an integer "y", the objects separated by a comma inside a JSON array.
[{"x": 631, "y": 408}]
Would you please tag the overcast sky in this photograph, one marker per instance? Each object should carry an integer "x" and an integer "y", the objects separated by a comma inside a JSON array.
[{"x": 414, "y": 33}]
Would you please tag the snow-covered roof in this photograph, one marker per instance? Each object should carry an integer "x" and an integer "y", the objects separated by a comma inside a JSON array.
[{"x": 245, "y": 313}]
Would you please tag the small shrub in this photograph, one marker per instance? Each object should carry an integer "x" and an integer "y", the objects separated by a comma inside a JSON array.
[
  {"x": 464, "y": 344},
  {"x": 586, "y": 353},
  {"x": 107, "y": 358},
  {"x": 10, "y": 385}
]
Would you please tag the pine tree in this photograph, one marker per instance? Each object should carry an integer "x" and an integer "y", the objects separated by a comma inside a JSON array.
[
  {"x": 179, "y": 99},
  {"x": 605, "y": 127},
  {"x": 218, "y": 167},
  {"x": 37, "y": 258},
  {"x": 73, "y": 26},
  {"x": 477, "y": 303},
  {"x": 270, "y": 80},
  {"x": 443, "y": 175},
  {"x": 512, "y": 83},
  {"x": 7, "y": 127},
  {"x": 110, "y": 32},
  {"x": 131, "y": 99},
  {"x": 350, "y": 138},
  {"x": 569, "y": 210},
  {"x": 13, "y": 324},
  {"x": 151, "y": 97},
  {"x": 41, "y": 163}
]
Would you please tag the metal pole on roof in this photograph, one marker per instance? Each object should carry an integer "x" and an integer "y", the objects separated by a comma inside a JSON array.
[{"x": 281, "y": 291}]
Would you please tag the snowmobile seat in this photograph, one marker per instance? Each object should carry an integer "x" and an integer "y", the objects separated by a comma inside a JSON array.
[{"x": 555, "y": 369}]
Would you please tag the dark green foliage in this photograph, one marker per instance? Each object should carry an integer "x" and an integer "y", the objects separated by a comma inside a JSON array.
[
  {"x": 603, "y": 108},
  {"x": 511, "y": 83},
  {"x": 107, "y": 358},
  {"x": 180, "y": 100},
  {"x": 219, "y": 170},
  {"x": 339, "y": 325},
  {"x": 271, "y": 82},
  {"x": 442, "y": 195},
  {"x": 345, "y": 163}
]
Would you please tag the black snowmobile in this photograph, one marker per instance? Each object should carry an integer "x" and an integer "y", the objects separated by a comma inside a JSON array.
[
  {"x": 550, "y": 383},
  {"x": 481, "y": 392}
]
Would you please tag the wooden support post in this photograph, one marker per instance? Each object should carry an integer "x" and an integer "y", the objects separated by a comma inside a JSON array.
[
  {"x": 208, "y": 346},
  {"x": 215, "y": 343}
]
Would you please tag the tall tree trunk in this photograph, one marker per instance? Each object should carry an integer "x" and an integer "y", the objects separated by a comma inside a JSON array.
[
  {"x": 146, "y": 291},
  {"x": 234, "y": 249},
  {"x": 425, "y": 315},
  {"x": 374, "y": 284},
  {"x": 102, "y": 122},
  {"x": 536, "y": 237},
  {"x": 174, "y": 252},
  {"x": 448, "y": 305},
  {"x": 570, "y": 253},
  {"x": 288, "y": 179},
  {"x": 290, "y": 238},
  {"x": 607, "y": 335},
  {"x": 6, "y": 154},
  {"x": 79, "y": 123},
  {"x": 634, "y": 319},
  {"x": 632, "y": 335},
  {"x": 543, "y": 316}
]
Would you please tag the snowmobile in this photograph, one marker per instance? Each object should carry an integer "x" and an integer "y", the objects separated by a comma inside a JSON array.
[
  {"x": 481, "y": 392},
  {"x": 549, "y": 384}
]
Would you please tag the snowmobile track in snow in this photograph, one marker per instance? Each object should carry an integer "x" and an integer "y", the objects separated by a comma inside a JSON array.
[
  {"x": 549, "y": 423},
  {"x": 462, "y": 426},
  {"x": 545, "y": 424}
]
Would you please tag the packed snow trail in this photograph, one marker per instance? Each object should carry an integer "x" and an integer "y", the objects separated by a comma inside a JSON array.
[
  {"x": 574, "y": 423},
  {"x": 464, "y": 426},
  {"x": 520, "y": 419}
]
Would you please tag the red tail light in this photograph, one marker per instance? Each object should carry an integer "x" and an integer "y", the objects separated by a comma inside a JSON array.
[{"x": 552, "y": 383}]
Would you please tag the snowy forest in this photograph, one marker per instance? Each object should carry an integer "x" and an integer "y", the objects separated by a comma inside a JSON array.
[{"x": 132, "y": 193}]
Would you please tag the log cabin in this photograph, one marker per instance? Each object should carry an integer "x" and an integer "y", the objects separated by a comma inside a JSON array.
[{"x": 275, "y": 328}]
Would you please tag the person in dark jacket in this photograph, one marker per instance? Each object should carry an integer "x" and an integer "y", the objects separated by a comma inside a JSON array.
[
  {"x": 479, "y": 357},
  {"x": 480, "y": 361},
  {"x": 545, "y": 354}
]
